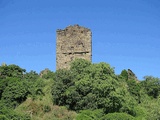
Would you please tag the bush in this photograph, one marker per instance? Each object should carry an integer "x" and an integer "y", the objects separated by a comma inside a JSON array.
[
  {"x": 117, "y": 116},
  {"x": 90, "y": 114}
]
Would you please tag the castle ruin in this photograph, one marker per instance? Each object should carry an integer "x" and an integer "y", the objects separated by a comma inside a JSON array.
[{"x": 73, "y": 42}]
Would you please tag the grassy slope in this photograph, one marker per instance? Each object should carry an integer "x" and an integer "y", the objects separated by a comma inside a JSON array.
[{"x": 43, "y": 109}]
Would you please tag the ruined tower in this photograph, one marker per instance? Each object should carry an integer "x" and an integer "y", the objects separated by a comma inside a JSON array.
[{"x": 73, "y": 42}]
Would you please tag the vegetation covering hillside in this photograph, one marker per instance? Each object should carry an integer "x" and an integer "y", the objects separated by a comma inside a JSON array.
[{"x": 84, "y": 92}]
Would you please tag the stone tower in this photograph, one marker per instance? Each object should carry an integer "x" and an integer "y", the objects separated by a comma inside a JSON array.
[{"x": 73, "y": 42}]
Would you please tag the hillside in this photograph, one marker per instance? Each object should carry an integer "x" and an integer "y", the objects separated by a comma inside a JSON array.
[{"x": 86, "y": 91}]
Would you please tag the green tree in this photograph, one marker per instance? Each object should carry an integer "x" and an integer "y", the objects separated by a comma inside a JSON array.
[
  {"x": 135, "y": 89},
  {"x": 11, "y": 71},
  {"x": 124, "y": 74},
  {"x": 90, "y": 86},
  {"x": 151, "y": 86},
  {"x": 31, "y": 76},
  {"x": 14, "y": 93},
  {"x": 16, "y": 85},
  {"x": 3, "y": 85},
  {"x": 63, "y": 80},
  {"x": 35, "y": 88}
]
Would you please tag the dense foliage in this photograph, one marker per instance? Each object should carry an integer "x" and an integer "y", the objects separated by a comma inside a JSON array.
[
  {"x": 86, "y": 86},
  {"x": 15, "y": 86},
  {"x": 93, "y": 91},
  {"x": 90, "y": 86}
]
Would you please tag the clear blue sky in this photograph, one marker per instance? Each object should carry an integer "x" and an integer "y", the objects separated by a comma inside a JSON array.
[{"x": 125, "y": 33}]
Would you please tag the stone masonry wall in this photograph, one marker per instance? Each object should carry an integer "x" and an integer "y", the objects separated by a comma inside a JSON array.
[{"x": 73, "y": 42}]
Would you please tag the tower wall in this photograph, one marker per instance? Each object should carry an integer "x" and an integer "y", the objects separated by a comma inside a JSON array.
[{"x": 73, "y": 42}]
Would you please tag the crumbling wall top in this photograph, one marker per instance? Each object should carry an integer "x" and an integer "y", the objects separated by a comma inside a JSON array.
[{"x": 73, "y": 28}]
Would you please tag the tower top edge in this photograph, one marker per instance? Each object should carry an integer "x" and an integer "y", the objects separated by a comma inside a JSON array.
[{"x": 70, "y": 27}]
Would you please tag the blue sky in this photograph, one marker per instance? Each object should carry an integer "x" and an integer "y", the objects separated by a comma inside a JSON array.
[{"x": 125, "y": 33}]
